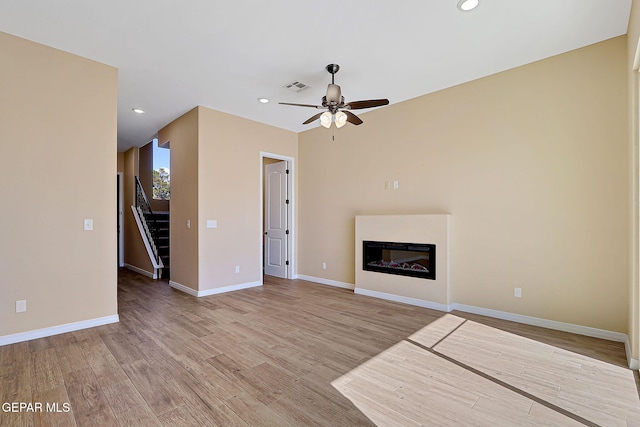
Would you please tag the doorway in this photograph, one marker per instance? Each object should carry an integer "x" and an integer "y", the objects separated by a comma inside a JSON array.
[{"x": 277, "y": 219}]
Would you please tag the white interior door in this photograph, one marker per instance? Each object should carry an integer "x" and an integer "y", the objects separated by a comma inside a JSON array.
[{"x": 276, "y": 221}]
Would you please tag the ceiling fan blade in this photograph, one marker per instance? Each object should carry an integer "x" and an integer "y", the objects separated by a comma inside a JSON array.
[
  {"x": 311, "y": 119},
  {"x": 352, "y": 118},
  {"x": 301, "y": 105},
  {"x": 370, "y": 103}
]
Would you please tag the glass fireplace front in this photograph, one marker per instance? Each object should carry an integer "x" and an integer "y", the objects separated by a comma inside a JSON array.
[{"x": 406, "y": 259}]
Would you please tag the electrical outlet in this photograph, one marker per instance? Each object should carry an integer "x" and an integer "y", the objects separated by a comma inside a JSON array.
[
  {"x": 237, "y": 269},
  {"x": 517, "y": 292},
  {"x": 188, "y": 223},
  {"x": 88, "y": 225},
  {"x": 324, "y": 265},
  {"x": 21, "y": 306}
]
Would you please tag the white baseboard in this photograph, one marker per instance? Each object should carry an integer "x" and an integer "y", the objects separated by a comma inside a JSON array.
[
  {"x": 60, "y": 329},
  {"x": 519, "y": 318},
  {"x": 405, "y": 300},
  {"x": 183, "y": 288},
  {"x": 213, "y": 291},
  {"x": 633, "y": 363},
  {"x": 230, "y": 288},
  {"x": 544, "y": 323},
  {"x": 328, "y": 282},
  {"x": 141, "y": 271}
]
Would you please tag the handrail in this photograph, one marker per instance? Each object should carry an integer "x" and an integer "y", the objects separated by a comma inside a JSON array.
[
  {"x": 144, "y": 208},
  {"x": 141, "y": 198},
  {"x": 149, "y": 245}
]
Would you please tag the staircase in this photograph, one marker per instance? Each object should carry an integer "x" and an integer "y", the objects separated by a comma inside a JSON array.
[
  {"x": 159, "y": 221},
  {"x": 154, "y": 229}
]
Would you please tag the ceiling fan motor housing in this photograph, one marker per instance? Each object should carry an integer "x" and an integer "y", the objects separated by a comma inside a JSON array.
[{"x": 333, "y": 94}]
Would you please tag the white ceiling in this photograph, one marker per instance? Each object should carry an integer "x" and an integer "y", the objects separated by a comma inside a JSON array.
[{"x": 175, "y": 54}]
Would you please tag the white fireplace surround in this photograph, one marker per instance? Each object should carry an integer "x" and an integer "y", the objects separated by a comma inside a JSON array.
[{"x": 433, "y": 229}]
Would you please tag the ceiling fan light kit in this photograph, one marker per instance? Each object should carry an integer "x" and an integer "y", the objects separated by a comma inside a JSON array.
[
  {"x": 325, "y": 119},
  {"x": 337, "y": 111},
  {"x": 467, "y": 5}
]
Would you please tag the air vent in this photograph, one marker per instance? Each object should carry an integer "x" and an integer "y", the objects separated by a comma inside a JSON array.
[{"x": 296, "y": 86}]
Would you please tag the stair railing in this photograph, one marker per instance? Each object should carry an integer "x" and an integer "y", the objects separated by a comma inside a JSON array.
[{"x": 144, "y": 209}]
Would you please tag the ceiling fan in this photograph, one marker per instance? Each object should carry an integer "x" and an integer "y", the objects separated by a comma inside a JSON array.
[{"x": 337, "y": 111}]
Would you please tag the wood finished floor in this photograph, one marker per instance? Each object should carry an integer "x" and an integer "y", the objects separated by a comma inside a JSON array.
[
  {"x": 456, "y": 371},
  {"x": 263, "y": 356}
]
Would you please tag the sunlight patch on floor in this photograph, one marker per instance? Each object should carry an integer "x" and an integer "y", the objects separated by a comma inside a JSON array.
[{"x": 459, "y": 372}]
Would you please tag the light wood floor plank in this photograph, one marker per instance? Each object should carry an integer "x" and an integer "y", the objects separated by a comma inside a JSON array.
[
  {"x": 128, "y": 406},
  {"x": 90, "y": 407},
  {"x": 269, "y": 355},
  {"x": 604, "y": 393}
]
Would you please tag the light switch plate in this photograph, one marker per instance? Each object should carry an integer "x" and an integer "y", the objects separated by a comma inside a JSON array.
[
  {"x": 88, "y": 224},
  {"x": 212, "y": 223}
]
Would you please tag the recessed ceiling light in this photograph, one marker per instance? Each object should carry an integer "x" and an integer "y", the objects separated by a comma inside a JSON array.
[
  {"x": 467, "y": 5},
  {"x": 263, "y": 100},
  {"x": 137, "y": 110}
]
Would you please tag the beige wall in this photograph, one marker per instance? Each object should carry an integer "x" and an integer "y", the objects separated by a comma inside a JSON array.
[
  {"x": 532, "y": 164},
  {"x": 135, "y": 253},
  {"x": 633, "y": 35},
  {"x": 120, "y": 162},
  {"x": 215, "y": 174},
  {"x": 58, "y": 140},
  {"x": 229, "y": 171},
  {"x": 183, "y": 135},
  {"x": 145, "y": 170}
]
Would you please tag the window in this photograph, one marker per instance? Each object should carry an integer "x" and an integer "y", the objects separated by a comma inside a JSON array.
[{"x": 161, "y": 172}]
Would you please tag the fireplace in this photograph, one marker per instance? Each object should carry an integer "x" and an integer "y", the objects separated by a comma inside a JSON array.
[{"x": 405, "y": 259}]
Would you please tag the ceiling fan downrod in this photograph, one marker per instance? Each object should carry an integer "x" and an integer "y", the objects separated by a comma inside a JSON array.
[{"x": 333, "y": 69}]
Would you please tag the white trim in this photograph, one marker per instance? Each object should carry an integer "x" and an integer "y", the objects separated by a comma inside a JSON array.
[
  {"x": 230, "y": 288},
  {"x": 405, "y": 300},
  {"x": 183, "y": 288},
  {"x": 291, "y": 270},
  {"x": 328, "y": 282},
  {"x": 213, "y": 291},
  {"x": 633, "y": 363},
  {"x": 519, "y": 318},
  {"x": 60, "y": 329},
  {"x": 544, "y": 323},
  {"x": 139, "y": 220},
  {"x": 141, "y": 271}
]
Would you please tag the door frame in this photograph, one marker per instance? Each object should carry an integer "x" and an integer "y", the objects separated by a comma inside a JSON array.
[{"x": 290, "y": 270}]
